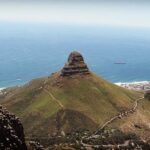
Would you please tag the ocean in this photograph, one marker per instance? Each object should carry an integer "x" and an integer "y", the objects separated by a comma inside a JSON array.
[{"x": 30, "y": 51}]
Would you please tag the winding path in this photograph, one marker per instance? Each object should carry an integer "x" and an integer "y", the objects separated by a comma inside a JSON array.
[
  {"x": 90, "y": 147},
  {"x": 54, "y": 99},
  {"x": 121, "y": 115},
  {"x": 115, "y": 118}
]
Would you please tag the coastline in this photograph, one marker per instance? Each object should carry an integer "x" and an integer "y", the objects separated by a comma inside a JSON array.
[
  {"x": 13, "y": 85},
  {"x": 135, "y": 85},
  {"x": 2, "y": 88}
]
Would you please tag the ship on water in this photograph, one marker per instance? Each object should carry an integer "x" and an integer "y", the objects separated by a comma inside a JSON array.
[{"x": 120, "y": 63}]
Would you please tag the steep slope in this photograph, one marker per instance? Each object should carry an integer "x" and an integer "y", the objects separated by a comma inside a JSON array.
[{"x": 71, "y": 99}]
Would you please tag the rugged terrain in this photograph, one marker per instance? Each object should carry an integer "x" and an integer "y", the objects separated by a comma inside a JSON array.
[
  {"x": 73, "y": 99},
  {"x": 11, "y": 131}
]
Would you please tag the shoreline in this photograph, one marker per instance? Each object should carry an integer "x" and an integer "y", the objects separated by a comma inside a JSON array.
[
  {"x": 13, "y": 85},
  {"x": 2, "y": 88},
  {"x": 135, "y": 85}
]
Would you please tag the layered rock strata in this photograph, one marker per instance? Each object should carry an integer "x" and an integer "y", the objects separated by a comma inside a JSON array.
[{"x": 75, "y": 65}]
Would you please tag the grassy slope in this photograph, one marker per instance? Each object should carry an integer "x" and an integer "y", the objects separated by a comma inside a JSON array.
[
  {"x": 90, "y": 95},
  {"x": 140, "y": 118}
]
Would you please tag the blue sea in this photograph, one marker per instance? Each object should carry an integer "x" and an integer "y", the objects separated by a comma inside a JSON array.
[{"x": 30, "y": 51}]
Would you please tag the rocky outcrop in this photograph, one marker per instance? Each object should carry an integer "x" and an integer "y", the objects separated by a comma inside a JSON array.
[
  {"x": 11, "y": 131},
  {"x": 147, "y": 95},
  {"x": 34, "y": 145},
  {"x": 75, "y": 65}
]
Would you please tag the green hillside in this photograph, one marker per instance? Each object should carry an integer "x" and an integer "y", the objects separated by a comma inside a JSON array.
[
  {"x": 74, "y": 99},
  {"x": 81, "y": 101}
]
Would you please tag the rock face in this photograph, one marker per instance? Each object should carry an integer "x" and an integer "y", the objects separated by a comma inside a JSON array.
[
  {"x": 75, "y": 65},
  {"x": 147, "y": 95},
  {"x": 11, "y": 131}
]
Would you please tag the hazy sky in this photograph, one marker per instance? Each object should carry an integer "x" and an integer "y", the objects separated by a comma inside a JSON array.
[{"x": 82, "y": 12}]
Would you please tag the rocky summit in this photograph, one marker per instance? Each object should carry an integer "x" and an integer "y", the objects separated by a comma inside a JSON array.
[
  {"x": 75, "y": 65},
  {"x": 11, "y": 131}
]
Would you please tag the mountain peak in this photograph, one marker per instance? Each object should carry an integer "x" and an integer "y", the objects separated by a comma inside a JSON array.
[{"x": 75, "y": 65}]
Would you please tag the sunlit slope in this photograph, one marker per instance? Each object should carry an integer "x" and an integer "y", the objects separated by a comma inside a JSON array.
[
  {"x": 54, "y": 104},
  {"x": 138, "y": 122}
]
